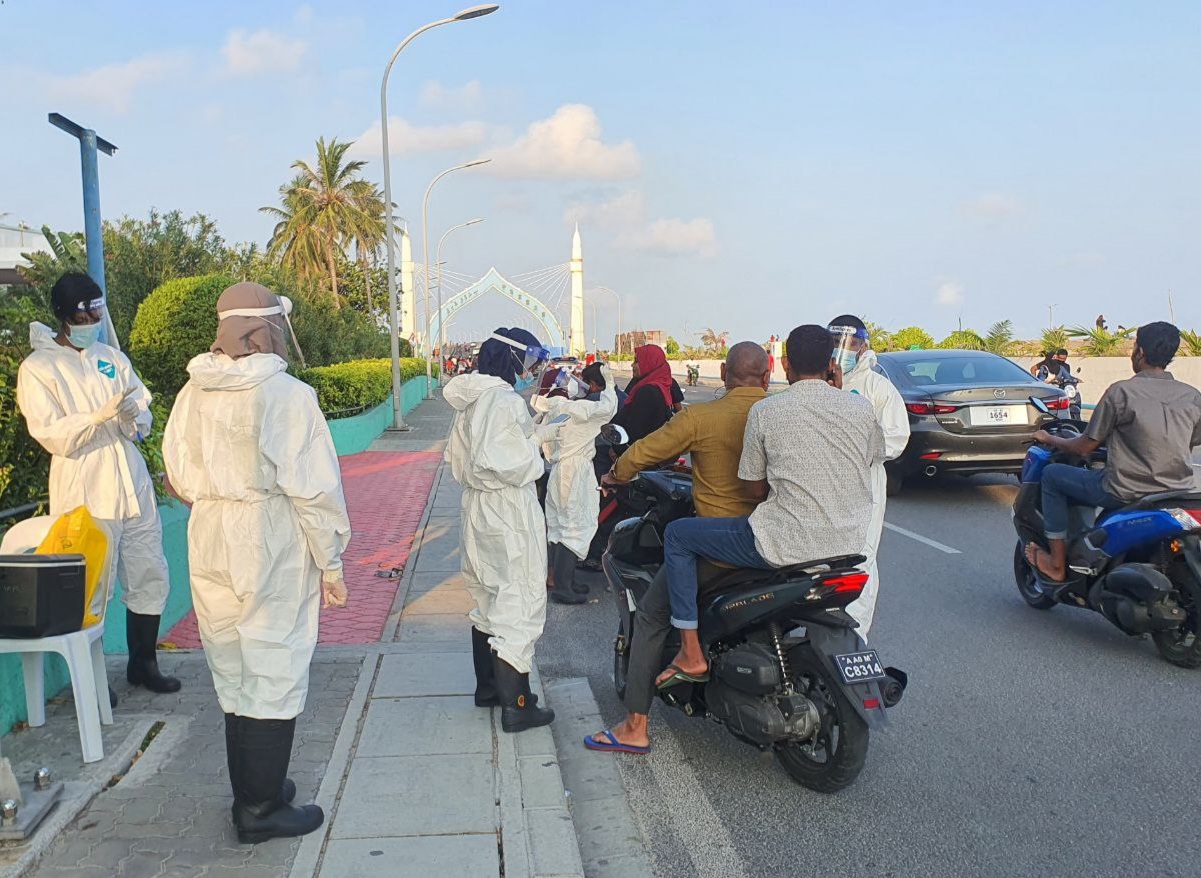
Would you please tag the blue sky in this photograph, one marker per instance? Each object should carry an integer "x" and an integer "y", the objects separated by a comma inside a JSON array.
[{"x": 746, "y": 166}]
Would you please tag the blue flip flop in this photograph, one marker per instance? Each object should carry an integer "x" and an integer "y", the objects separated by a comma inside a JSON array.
[{"x": 596, "y": 742}]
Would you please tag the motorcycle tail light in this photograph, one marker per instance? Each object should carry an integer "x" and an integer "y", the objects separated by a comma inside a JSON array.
[
  {"x": 847, "y": 583},
  {"x": 871, "y": 703},
  {"x": 1057, "y": 404},
  {"x": 1189, "y": 519}
]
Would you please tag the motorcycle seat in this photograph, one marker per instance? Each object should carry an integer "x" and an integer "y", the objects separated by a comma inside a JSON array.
[
  {"x": 1153, "y": 501},
  {"x": 745, "y": 577}
]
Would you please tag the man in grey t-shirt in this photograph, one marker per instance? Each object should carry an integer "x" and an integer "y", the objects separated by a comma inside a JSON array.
[
  {"x": 1150, "y": 423},
  {"x": 806, "y": 458}
]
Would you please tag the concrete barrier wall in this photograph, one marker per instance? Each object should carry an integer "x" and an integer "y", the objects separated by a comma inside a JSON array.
[{"x": 1095, "y": 373}]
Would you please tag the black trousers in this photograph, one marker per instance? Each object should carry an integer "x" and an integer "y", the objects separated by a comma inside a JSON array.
[{"x": 652, "y": 624}]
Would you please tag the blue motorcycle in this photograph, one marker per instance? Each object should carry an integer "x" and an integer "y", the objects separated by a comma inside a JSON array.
[{"x": 1139, "y": 566}]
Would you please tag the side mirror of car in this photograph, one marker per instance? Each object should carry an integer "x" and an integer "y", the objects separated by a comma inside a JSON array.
[{"x": 1040, "y": 405}]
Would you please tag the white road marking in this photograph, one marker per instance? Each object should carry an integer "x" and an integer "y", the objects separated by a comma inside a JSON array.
[{"x": 934, "y": 544}]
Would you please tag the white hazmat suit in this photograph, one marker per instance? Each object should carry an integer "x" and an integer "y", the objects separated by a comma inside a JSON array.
[
  {"x": 894, "y": 421},
  {"x": 94, "y": 462},
  {"x": 571, "y": 500},
  {"x": 493, "y": 452},
  {"x": 247, "y": 445}
]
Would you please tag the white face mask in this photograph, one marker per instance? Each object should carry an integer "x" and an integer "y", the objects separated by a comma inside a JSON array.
[{"x": 84, "y": 335}]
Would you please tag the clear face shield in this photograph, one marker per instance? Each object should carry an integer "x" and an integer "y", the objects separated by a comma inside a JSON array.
[
  {"x": 849, "y": 343},
  {"x": 529, "y": 360},
  {"x": 283, "y": 309}
]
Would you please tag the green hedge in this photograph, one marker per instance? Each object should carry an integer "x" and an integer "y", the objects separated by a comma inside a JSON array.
[
  {"x": 175, "y": 323},
  {"x": 347, "y": 388}
]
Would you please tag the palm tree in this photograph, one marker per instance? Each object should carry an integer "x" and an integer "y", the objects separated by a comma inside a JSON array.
[
  {"x": 1100, "y": 342},
  {"x": 325, "y": 208},
  {"x": 1190, "y": 343},
  {"x": 1053, "y": 338},
  {"x": 366, "y": 240},
  {"x": 1000, "y": 337},
  {"x": 713, "y": 340}
]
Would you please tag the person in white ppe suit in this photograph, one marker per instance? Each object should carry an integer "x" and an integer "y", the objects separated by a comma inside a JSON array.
[
  {"x": 583, "y": 405},
  {"x": 494, "y": 453},
  {"x": 857, "y": 359},
  {"x": 83, "y": 402},
  {"x": 248, "y": 447}
]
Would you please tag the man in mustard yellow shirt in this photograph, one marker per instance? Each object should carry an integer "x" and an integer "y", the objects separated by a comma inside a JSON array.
[{"x": 712, "y": 434}]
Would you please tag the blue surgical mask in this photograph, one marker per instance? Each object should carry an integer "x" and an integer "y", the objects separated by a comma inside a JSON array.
[
  {"x": 523, "y": 383},
  {"x": 849, "y": 359},
  {"x": 84, "y": 335}
]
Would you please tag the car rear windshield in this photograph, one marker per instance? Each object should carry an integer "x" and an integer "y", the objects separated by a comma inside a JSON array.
[{"x": 960, "y": 370}]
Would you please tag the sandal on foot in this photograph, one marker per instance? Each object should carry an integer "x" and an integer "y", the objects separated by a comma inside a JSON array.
[
  {"x": 681, "y": 676},
  {"x": 612, "y": 745}
]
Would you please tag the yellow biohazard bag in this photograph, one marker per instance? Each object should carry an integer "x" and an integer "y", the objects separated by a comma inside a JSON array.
[{"x": 76, "y": 533}]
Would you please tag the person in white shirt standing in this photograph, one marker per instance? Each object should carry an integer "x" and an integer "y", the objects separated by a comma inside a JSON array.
[{"x": 858, "y": 360}]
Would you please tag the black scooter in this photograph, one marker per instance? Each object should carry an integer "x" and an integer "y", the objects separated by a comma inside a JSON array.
[{"x": 787, "y": 670}]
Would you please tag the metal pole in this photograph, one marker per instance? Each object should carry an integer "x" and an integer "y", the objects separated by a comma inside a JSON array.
[
  {"x": 425, "y": 263},
  {"x": 442, "y": 317}
]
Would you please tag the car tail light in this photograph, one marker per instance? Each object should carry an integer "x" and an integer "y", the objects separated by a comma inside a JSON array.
[
  {"x": 1057, "y": 404},
  {"x": 847, "y": 583},
  {"x": 929, "y": 408},
  {"x": 931, "y": 455},
  {"x": 1189, "y": 519}
]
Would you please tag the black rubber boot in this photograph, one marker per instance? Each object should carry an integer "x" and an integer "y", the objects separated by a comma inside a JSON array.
[
  {"x": 519, "y": 709},
  {"x": 264, "y": 748},
  {"x": 112, "y": 697},
  {"x": 141, "y": 636},
  {"x": 562, "y": 562},
  {"x": 287, "y": 792},
  {"x": 485, "y": 678}
]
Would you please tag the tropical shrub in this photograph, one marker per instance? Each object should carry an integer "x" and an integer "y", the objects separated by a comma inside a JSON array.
[
  {"x": 1190, "y": 343},
  {"x": 1053, "y": 339},
  {"x": 910, "y": 337},
  {"x": 24, "y": 465},
  {"x": 348, "y": 388},
  {"x": 1101, "y": 342},
  {"x": 175, "y": 323},
  {"x": 963, "y": 340},
  {"x": 673, "y": 347}
]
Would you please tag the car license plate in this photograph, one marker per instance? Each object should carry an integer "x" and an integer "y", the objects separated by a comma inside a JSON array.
[
  {"x": 997, "y": 415},
  {"x": 859, "y": 667}
]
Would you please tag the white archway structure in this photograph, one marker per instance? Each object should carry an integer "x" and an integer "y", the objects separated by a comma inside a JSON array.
[{"x": 494, "y": 281}]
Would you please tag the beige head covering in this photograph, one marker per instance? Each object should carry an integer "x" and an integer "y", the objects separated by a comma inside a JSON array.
[{"x": 242, "y": 334}]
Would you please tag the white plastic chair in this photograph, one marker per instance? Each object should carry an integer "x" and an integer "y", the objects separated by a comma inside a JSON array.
[{"x": 83, "y": 650}]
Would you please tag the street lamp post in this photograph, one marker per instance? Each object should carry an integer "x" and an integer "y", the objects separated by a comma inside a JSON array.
[
  {"x": 425, "y": 262},
  {"x": 441, "y": 316},
  {"x": 389, "y": 227},
  {"x": 618, "y": 298}
]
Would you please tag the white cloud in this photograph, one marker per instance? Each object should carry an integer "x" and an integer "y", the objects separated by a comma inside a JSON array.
[
  {"x": 949, "y": 294},
  {"x": 263, "y": 51},
  {"x": 113, "y": 85},
  {"x": 993, "y": 207},
  {"x": 625, "y": 215},
  {"x": 677, "y": 237},
  {"x": 436, "y": 96},
  {"x": 566, "y": 146},
  {"x": 405, "y": 138}
]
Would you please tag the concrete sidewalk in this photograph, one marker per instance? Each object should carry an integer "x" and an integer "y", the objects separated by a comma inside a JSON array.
[{"x": 415, "y": 780}]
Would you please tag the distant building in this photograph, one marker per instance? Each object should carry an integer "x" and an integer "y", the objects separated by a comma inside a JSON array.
[{"x": 627, "y": 341}]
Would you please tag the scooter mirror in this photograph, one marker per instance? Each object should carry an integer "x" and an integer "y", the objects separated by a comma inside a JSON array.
[{"x": 1040, "y": 405}]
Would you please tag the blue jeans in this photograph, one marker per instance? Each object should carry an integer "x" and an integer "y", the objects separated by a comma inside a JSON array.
[
  {"x": 719, "y": 539},
  {"x": 1063, "y": 485}
]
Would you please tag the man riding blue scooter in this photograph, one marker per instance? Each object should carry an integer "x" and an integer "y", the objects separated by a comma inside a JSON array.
[{"x": 1150, "y": 424}]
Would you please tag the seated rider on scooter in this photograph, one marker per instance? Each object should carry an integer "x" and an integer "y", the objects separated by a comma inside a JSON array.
[{"x": 1150, "y": 423}]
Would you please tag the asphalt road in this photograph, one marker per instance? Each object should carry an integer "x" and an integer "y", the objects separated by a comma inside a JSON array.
[{"x": 1029, "y": 743}]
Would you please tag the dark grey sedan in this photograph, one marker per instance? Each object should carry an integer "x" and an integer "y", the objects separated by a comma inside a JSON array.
[{"x": 969, "y": 412}]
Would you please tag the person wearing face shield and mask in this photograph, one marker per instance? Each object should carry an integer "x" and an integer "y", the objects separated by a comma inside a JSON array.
[
  {"x": 589, "y": 402},
  {"x": 494, "y": 452},
  {"x": 853, "y": 353},
  {"x": 83, "y": 402},
  {"x": 248, "y": 447}
]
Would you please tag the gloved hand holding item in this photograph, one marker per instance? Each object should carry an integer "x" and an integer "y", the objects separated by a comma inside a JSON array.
[
  {"x": 333, "y": 589},
  {"x": 548, "y": 431},
  {"x": 112, "y": 408},
  {"x": 129, "y": 409},
  {"x": 607, "y": 374}
]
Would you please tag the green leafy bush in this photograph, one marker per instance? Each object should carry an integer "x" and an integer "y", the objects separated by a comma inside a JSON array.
[
  {"x": 963, "y": 340},
  {"x": 24, "y": 465},
  {"x": 910, "y": 337},
  {"x": 347, "y": 388},
  {"x": 175, "y": 323},
  {"x": 328, "y": 334}
]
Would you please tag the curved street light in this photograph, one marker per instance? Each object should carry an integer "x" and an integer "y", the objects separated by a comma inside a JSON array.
[
  {"x": 441, "y": 316},
  {"x": 389, "y": 226},
  {"x": 425, "y": 261}
]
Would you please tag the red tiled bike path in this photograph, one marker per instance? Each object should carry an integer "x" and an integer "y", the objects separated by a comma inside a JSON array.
[{"x": 385, "y": 496}]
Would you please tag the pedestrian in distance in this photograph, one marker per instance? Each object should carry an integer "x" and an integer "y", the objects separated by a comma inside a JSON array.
[
  {"x": 84, "y": 403},
  {"x": 248, "y": 448},
  {"x": 494, "y": 452}
]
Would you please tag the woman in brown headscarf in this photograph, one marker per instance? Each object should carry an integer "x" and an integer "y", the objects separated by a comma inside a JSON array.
[{"x": 247, "y": 445}]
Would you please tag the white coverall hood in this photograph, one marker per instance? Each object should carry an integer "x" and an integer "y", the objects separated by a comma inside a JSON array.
[
  {"x": 248, "y": 446},
  {"x": 59, "y": 391},
  {"x": 894, "y": 421},
  {"x": 494, "y": 455}
]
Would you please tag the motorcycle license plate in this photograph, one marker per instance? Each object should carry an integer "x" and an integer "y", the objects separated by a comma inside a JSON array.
[
  {"x": 859, "y": 667},
  {"x": 984, "y": 415}
]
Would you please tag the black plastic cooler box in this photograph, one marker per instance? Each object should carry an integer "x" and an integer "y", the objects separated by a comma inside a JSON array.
[{"x": 41, "y": 595}]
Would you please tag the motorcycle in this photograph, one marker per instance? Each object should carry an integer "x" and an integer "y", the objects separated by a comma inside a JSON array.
[
  {"x": 694, "y": 375},
  {"x": 1139, "y": 566},
  {"x": 788, "y": 673},
  {"x": 1068, "y": 382}
]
